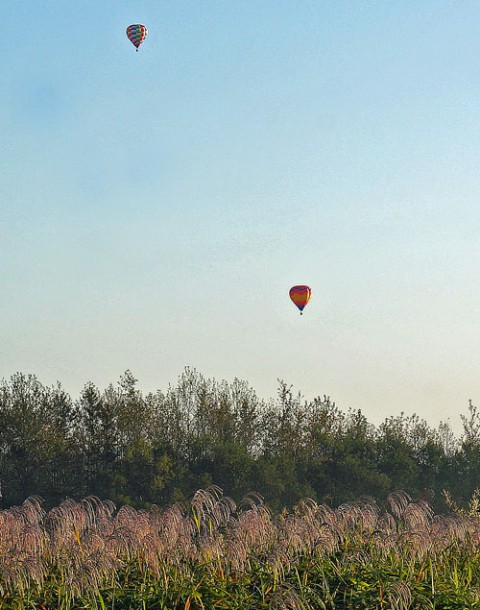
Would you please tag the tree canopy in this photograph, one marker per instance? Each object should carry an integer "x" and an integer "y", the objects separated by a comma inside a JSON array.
[{"x": 137, "y": 449}]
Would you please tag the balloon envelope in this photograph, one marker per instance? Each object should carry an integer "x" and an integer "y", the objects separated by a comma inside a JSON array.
[
  {"x": 300, "y": 295},
  {"x": 137, "y": 34}
]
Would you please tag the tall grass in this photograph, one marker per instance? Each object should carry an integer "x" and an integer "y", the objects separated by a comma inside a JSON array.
[{"x": 214, "y": 553}]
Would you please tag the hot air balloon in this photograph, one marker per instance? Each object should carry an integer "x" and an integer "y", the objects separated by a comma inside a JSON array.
[
  {"x": 137, "y": 34},
  {"x": 300, "y": 295}
]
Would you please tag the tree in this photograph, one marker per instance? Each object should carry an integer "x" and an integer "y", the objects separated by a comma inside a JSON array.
[{"x": 36, "y": 440}]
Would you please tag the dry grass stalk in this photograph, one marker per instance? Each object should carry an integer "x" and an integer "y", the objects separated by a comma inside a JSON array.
[{"x": 90, "y": 543}]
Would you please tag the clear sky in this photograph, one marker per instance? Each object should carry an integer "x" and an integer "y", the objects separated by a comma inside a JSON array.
[{"x": 157, "y": 206}]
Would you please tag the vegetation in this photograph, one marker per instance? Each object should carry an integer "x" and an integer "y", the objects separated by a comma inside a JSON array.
[
  {"x": 338, "y": 549},
  {"x": 213, "y": 554},
  {"x": 158, "y": 449}
]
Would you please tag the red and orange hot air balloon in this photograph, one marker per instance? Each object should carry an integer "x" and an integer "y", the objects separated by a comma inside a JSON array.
[
  {"x": 300, "y": 295},
  {"x": 137, "y": 34}
]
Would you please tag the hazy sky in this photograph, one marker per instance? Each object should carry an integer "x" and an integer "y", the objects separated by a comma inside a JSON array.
[{"x": 157, "y": 206}]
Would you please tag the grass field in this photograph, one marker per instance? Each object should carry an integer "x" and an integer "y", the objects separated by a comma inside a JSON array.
[{"x": 215, "y": 554}]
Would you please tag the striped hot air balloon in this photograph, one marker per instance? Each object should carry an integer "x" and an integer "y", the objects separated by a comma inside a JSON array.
[
  {"x": 300, "y": 295},
  {"x": 137, "y": 34}
]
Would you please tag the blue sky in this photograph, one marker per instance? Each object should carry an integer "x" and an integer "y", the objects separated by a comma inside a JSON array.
[{"x": 157, "y": 206}]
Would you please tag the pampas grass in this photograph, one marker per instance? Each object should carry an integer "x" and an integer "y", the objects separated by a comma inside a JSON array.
[{"x": 213, "y": 553}]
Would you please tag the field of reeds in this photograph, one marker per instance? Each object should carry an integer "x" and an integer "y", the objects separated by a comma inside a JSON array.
[{"x": 213, "y": 553}]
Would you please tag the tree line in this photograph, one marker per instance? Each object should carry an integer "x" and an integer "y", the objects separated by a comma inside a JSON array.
[{"x": 158, "y": 448}]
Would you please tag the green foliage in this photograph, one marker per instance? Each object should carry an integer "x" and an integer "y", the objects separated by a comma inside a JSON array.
[{"x": 156, "y": 449}]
